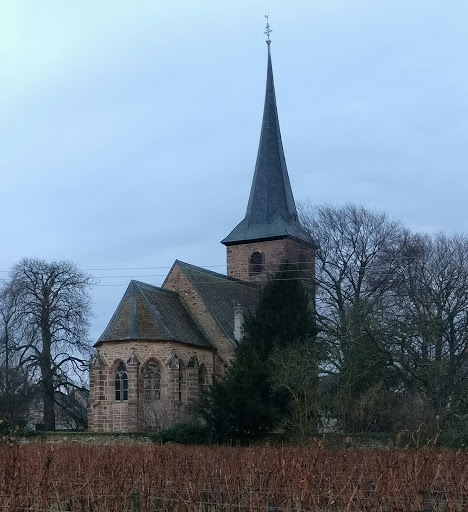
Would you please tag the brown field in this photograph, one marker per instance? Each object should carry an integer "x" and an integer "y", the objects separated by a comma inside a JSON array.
[{"x": 139, "y": 477}]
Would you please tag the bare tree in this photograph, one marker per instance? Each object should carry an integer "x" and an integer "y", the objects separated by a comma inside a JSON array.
[
  {"x": 70, "y": 408},
  {"x": 429, "y": 325},
  {"x": 52, "y": 316},
  {"x": 294, "y": 371},
  {"x": 15, "y": 387},
  {"x": 357, "y": 262},
  {"x": 392, "y": 308}
]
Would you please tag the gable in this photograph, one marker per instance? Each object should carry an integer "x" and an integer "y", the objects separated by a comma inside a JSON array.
[
  {"x": 150, "y": 313},
  {"x": 212, "y": 298}
]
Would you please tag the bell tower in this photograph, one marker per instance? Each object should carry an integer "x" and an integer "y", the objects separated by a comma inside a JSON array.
[{"x": 270, "y": 232}]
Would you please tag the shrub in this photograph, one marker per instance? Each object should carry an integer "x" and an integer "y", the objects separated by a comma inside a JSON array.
[
  {"x": 7, "y": 433},
  {"x": 184, "y": 433},
  {"x": 456, "y": 434},
  {"x": 4, "y": 427}
]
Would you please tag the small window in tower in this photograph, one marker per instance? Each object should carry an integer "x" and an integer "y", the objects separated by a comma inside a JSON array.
[{"x": 256, "y": 263}]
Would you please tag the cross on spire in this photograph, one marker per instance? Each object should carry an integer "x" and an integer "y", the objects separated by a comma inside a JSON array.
[{"x": 268, "y": 29}]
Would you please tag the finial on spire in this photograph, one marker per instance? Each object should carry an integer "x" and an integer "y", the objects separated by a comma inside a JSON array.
[{"x": 268, "y": 30}]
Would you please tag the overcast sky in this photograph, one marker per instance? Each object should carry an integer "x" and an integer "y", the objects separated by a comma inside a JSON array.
[{"x": 129, "y": 130}]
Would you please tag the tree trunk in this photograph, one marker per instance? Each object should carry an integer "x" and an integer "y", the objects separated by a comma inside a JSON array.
[
  {"x": 49, "y": 411},
  {"x": 48, "y": 397},
  {"x": 47, "y": 373}
]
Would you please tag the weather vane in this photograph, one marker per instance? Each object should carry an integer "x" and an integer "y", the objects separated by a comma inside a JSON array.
[{"x": 268, "y": 30}]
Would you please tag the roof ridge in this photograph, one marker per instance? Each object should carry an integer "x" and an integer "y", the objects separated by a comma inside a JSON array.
[
  {"x": 159, "y": 321},
  {"x": 195, "y": 322},
  {"x": 183, "y": 264},
  {"x": 198, "y": 287},
  {"x": 155, "y": 317},
  {"x": 153, "y": 287},
  {"x": 200, "y": 295},
  {"x": 168, "y": 318}
]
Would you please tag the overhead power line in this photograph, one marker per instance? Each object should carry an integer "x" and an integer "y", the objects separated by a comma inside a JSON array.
[
  {"x": 135, "y": 268},
  {"x": 115, "y": 269}
]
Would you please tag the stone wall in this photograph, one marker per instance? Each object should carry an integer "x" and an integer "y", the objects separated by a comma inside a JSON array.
[
  {"x": 177, "y": 281},
  {"x": 106, "y": 414},
  {"x": 274, "y": 252}
]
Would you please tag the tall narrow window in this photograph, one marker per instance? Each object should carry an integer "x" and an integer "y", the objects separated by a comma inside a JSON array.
[
  {"x": 152, "y": 382},
  {"x": 181, "y": 381},
  {"x": 202, "y": 379},
  {"x": 256, "y": 263},
  {"x": 121, "y": 383}
]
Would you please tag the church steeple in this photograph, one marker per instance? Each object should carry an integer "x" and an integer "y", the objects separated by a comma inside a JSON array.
[{"x": 271, "y": 212}]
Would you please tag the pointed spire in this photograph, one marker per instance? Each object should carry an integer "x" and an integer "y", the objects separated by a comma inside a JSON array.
[{"x": 271, "y": 211}]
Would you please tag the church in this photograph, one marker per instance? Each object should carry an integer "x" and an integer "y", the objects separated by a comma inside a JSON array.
[{"x": 164, "y": 345}]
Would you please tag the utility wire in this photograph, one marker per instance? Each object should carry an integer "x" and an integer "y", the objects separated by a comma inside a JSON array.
[{"x": 102, "y": 269}]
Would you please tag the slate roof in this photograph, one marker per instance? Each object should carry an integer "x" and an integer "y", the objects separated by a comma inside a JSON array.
[
  {"x": 152, "y": 313},
  {"x": 220, "y": 294},
  {"x": 271, "y": 211}
]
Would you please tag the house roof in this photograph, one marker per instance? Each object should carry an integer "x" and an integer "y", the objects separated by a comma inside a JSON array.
[
  {"x": 271, "y": 211},
  {"x": 153, "y": 313},
  {"x": 220, "y": 294}
]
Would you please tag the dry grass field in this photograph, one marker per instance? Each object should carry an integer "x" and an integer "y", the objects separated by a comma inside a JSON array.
[{"x": 145, "y": 477}]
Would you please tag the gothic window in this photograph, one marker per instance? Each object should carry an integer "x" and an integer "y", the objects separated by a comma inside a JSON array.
[
  {"x": 121, "y": 383},
  {"x": 202, "y": 379},
  {"x": 152, "y": 382},
  {"x": 256, "y": 263}
]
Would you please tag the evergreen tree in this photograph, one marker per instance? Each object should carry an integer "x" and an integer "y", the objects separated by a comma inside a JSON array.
[
  {"x": 243, "y": 406},
  {"x": 248, "y": 403},
  {"x": 283, "y": 314}
]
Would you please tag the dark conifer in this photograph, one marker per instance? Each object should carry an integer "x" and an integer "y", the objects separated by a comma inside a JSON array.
[{"x": 245, "y": 405}]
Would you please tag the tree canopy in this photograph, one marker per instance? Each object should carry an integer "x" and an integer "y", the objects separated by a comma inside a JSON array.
[
  {"x": 392, "y": 310},
  {"x": 49, "y": 323}
]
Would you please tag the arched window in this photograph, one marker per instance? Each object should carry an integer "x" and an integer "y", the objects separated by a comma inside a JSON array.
[
  {"x": 152, "y": 382},
  {"x": 121, "y": 383},
  {"x": 256, "y": 263},
  {"x": 202, "y": 379}
]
